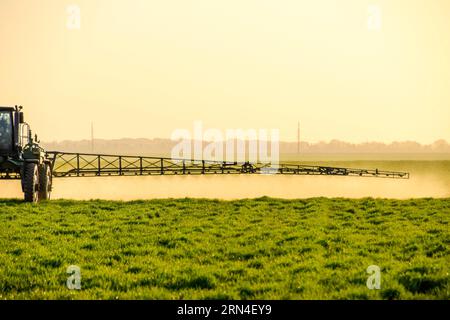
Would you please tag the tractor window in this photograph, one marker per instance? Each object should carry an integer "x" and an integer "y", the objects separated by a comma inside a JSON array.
[{"x": 5, "y": 131}]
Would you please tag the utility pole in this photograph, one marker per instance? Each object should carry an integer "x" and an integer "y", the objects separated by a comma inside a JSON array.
[
  {"x": 92, "y": 137},
  {"x": 298, "y": 138}
]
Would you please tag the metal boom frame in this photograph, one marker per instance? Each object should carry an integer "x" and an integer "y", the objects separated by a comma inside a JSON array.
[{"x": 66, "y": 164}]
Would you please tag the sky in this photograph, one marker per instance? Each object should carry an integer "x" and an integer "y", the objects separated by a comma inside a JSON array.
[{"x": 352, "y": 70}]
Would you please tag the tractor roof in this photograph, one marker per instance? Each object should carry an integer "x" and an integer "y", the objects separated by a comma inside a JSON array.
[{"x": 6, "y": 108}]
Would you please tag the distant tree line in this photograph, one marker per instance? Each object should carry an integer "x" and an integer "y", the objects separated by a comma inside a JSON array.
[{"x": 164, "y": 147}]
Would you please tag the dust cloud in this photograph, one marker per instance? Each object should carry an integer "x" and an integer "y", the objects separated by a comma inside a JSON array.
[{"x": 237, "y": 187}]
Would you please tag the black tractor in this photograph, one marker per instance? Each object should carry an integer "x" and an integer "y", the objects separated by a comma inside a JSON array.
[{"x": 21, "y": 157}]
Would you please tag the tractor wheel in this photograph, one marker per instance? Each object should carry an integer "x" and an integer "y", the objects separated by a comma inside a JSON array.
[
  {"x": 30, "y": 181},
  {"x": 45, "y": 182}
]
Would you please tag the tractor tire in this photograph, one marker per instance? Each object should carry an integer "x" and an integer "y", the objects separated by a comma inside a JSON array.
[
  {"x": 45, "y": 182},
  {"x": 30, "y": 181}
]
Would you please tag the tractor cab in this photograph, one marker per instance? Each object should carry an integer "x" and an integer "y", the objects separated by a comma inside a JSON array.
[
  {"x": 6, "y": 131},
  {"x": 13, "y": 132}
]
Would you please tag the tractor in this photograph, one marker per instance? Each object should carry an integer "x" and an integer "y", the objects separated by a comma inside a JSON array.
[{"x": 22, "y": 158}]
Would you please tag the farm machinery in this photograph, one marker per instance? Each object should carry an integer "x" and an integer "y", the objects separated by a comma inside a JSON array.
[{"x": 21, "y": 157}]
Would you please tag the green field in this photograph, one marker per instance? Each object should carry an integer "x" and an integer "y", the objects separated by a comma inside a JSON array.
[{"x": 263, "y": 248}]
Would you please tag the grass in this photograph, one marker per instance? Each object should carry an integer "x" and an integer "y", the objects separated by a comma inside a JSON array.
[{"x": 262, "y": 248}]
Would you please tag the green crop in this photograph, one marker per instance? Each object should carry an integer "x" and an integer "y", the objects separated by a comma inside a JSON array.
[{"x": 261, "y": 248}]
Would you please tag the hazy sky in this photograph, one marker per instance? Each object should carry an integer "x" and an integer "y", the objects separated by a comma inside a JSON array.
[{"x": 145, "y": 68}]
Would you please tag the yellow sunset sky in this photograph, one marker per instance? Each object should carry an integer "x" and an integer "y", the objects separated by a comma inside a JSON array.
[{"x": 142, "y": 69}]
